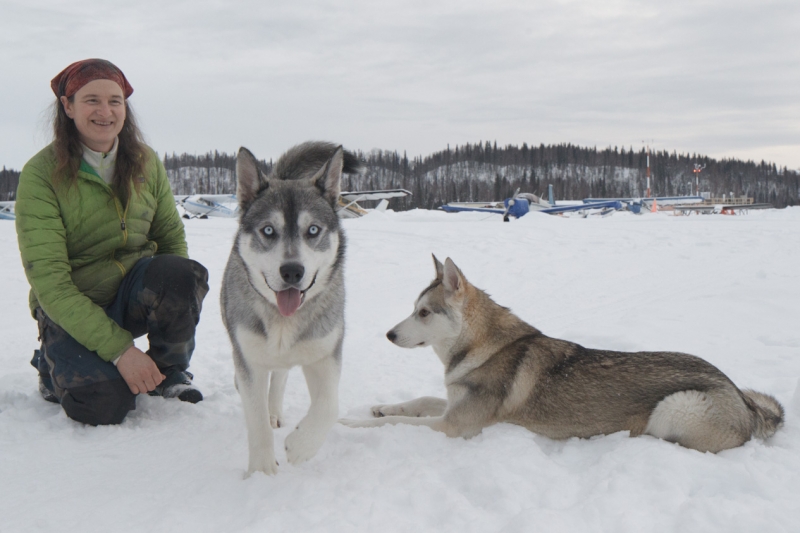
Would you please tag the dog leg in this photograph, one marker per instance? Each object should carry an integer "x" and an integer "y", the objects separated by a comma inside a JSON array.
[
  {"x": 436, "y": 423},
  {"x": 425, "y": 406},
  {"x": 253, "y": 390},
  {"x": 322, "y": 379},
  {"x": 277, "y": 386},
  {"x": 465, "y": 419}
]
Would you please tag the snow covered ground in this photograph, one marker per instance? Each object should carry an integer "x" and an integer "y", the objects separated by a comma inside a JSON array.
[{"x": 724, "y": 288}]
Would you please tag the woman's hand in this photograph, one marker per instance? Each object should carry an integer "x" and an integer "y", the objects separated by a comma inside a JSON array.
[{"x": 139, "y": 371}]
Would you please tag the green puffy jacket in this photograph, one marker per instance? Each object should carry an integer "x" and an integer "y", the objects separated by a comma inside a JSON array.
[{"x": 78, "y": 241}]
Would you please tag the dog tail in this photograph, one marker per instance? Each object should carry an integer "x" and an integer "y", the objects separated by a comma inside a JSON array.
[
  {"x": 768, "y": 412},
  {"x": 352, "y": 164}
]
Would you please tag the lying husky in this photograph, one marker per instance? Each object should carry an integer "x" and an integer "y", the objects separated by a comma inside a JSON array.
[
  {"x": 282, "y": 294},
  {"x": 500, "y": 369}
]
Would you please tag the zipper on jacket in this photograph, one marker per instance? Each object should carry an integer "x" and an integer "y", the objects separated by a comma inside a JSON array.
[
  {"x": 125, "y": 216},
  {"x": 124, "y": 237},
  {"x": 119, "y": 265},
  {"x": 87, "y": 169},
  {"x": 122, "y": 217}
]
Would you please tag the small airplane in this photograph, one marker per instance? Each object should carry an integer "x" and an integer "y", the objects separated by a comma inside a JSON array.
[
  {"x": 348, "y": 201},
  {"x": 7, "y": 211},
  {"x": 521, "y": 204},
  {"x": 226, "y": 205},
  {"x": 206, "y": 205}
]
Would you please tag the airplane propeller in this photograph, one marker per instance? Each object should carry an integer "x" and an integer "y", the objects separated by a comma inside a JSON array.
[{"x": 510, "y": 203}]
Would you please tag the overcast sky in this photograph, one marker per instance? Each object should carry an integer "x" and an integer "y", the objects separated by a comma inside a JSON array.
[{"x": 716, "y": 77}]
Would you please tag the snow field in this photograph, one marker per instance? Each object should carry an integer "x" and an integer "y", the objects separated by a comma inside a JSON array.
[{"x": 723, "y": 288}]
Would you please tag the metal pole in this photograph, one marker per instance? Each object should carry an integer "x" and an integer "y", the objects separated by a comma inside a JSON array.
[
  {"x": 697, "y": 170},
  {"x": 648, "y": 171}
]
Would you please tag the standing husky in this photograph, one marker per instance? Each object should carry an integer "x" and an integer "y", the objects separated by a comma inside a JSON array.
[
  {"x": 500, "y": 369},
  {"x": 282, "y": 294}
]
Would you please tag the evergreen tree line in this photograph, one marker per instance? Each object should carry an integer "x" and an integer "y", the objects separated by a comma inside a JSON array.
[
  {"x": 211, "y": 173},
  {"x": 483, "y": 172},
  {"x": 9, "y": 179}
]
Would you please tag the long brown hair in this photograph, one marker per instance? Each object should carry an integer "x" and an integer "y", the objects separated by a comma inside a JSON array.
[{"x": 132, "y": 153}]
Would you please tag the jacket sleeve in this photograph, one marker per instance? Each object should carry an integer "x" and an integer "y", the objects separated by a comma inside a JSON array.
[
  {"x": 43, "y": 248},
  {"x": 167, "y": 227}
]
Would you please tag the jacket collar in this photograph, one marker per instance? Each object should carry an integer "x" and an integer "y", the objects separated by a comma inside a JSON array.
[{"x": 101, "y": 162}]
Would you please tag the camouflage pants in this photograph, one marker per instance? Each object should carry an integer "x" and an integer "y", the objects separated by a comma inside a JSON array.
[{"x": 162, "y": 297}]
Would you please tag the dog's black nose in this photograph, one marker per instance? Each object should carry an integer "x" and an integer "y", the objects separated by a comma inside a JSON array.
[
  {"x": 391, "y": 336},
  {"x": 292, "y": 272}
]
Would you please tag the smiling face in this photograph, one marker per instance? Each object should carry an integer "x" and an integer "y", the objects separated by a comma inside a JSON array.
[
  {"x": 98, "y": 109},
  {"x": 290, "y": 241},
  {"x": 290, "y": 236}
]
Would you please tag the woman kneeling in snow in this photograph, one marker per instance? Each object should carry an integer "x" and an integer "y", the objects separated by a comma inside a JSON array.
[{"x": 104, "y": 251}]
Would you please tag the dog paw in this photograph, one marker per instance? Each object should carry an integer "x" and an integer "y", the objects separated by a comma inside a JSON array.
[
  {"x": 303, "y": 444},
  {"x": 267, "y": 467},
  {"x": 379, "y": 411},
  {"x": 365, "y": 423},
  {"x": 276, "y": 421}
]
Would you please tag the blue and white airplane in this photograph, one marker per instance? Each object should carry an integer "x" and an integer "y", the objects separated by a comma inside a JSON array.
[{"x": 521, "y": 204}]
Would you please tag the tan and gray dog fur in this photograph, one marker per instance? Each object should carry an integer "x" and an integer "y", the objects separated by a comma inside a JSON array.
[{"x": 501, "y": 369}]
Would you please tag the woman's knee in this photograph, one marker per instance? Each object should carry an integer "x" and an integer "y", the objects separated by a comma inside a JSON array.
[
  {"x": 177, "y": 278},
  {"x": 98, "y": 404}
]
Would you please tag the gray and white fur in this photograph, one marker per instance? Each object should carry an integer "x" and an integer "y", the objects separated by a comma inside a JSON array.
[
  {"x": 500, "y": 369},
  {"x": 283, "y": 294}
]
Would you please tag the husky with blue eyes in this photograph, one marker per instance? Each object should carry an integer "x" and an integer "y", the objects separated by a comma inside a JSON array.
[{"x": 282, "y": 296}]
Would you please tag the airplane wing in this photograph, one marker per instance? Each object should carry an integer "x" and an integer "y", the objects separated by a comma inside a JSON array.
[
  {"x": 455, "y": 208},
  {"x": 614, "y": 204},
  {"x": 212, "y": 198},
  {"x": 460, "y": 208},
  {"x": 205, "y": 205},
  {"x": 7, "y": 211},
  {"x": 357, "y": 196},
  {"x": 660, "y": 200}
]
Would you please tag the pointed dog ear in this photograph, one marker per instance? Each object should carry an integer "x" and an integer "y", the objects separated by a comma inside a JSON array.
[
  {"x": 249, "y": 179},
  {"x": 329, "y": 178},
  {"x": 439, "y": 267},
  {"x": 453, "y": 280}
]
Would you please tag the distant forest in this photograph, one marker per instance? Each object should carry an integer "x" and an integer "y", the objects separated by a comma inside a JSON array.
[
  {"x": 484, "y": 171},
  {"x": 9, "y": 179}
]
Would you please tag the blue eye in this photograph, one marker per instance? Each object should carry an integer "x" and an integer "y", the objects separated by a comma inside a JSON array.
[
  {"x": 269, "y": 231},
  {"x": 313, "y": 231}
]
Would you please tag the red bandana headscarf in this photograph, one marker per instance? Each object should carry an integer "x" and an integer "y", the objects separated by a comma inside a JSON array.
[{"x": 71, "y": 79}]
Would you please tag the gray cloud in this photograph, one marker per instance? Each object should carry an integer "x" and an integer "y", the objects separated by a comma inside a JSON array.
[{"x": 715, "y": 77}]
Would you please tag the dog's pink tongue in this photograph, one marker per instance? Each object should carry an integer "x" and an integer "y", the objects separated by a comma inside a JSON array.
[{"x": 288, "y": 301}]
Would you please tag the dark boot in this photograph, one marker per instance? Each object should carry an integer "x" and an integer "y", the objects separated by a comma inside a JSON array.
[
  {"x": 45, "y": 382},
  {"x": 47, "y": 392},
  {"x": 178, "y": 385}
]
